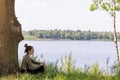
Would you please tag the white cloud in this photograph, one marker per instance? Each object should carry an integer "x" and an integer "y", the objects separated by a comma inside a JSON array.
[
  {"x": 64, "y": 14},
  {"x": 38, "y": 4},
  {"x": 31, "y": 3}
]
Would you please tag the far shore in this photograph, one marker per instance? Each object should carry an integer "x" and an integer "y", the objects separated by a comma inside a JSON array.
[{"x": 31, "y": 39}]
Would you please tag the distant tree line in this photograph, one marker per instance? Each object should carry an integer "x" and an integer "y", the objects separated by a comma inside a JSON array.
[{"x": 69, "y": 35}]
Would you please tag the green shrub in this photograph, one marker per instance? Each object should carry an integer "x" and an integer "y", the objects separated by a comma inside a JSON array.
[
  {"x": 67, "y": 64},
  {"x": 66, "y": 71}
]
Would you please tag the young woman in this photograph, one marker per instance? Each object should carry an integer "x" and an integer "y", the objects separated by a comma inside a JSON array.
[{"x": 28, "y": 64}]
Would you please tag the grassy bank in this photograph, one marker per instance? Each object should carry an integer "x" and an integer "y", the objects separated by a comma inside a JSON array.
[
  {"x": 67, "y": 71},
  {"x": 52, "y": 73}
]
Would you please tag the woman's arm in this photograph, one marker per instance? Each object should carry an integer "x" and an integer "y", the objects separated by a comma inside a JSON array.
[
  {"x": 35, "y": 62},
  {"x": 31, "y": 66}
]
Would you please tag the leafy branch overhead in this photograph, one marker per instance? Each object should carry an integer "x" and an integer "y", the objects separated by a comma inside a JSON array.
[
  {"x": 106, "y": 5},
  {"x": 110, "y": 6}
]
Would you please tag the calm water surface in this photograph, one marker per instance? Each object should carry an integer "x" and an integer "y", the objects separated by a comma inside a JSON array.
[{"x": 83, "y": 52}]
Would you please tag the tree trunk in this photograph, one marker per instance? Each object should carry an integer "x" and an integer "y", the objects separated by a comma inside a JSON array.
[
  {"x": 10, "y": 36},
  {"x": 115, "y": 35}
]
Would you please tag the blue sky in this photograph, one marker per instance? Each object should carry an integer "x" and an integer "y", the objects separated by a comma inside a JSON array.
[{"x": 62, "y": 14}]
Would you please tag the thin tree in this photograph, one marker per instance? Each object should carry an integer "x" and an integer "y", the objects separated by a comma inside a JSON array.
[
  {"x": 110, "y": 6},
  {"x": 10, "y": 36}
]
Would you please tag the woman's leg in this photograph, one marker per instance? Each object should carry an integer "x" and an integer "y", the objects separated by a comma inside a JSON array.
[
  {"x": 39, "y": 70},
  {"x": 25, "y": 71}
]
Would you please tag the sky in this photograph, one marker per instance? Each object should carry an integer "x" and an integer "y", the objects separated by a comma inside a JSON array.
[{"x": 62, "y": 14}]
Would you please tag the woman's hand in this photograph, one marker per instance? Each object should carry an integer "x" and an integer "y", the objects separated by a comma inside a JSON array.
[{"x": 43, "y": 64}]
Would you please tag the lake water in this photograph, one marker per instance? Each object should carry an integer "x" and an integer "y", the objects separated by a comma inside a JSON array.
[{"x": 83, "y": 52}]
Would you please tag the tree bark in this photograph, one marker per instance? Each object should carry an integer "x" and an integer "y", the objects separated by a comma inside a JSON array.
[
  {"x": 10, "y": 36},
  {"x": 115, "y": 35}
]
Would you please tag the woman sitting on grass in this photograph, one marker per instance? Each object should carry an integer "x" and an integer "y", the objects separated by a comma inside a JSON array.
[{"x": 29, "y": 65}]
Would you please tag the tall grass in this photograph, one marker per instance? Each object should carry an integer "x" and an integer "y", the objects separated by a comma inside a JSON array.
[{"x": 66, "y": 71}]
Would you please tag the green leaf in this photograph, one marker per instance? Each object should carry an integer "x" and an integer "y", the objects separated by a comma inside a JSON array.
[
  {"x": 95, "y": 1},
  {"x": 93, "y": 7},
  {"x": 105, "y": 7},
  {"x": 117, "y": 8},
  {"x": 118, "y": 1}
]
